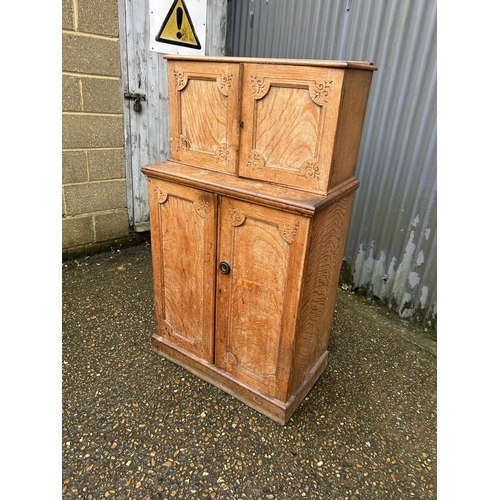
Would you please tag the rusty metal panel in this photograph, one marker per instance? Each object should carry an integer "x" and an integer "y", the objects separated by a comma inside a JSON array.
[{"x": 392, "y": 240}]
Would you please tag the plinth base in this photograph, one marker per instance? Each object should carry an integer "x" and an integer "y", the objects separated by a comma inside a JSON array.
[{"x": 267, "y": 405}]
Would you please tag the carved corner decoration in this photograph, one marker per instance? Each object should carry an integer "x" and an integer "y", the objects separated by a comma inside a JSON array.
[
  {"x": 235, "y": 217},
  {"x": 180, "y": 80},
  {"x": 319, "y": 93},
  {"x": 182, "y": 144},
  {"x": 255, "y": 159},
  {"x": 270, "y": 381},
  {"x": 310, "y": 169},
  {"x": 260, "y": 87},
  {"x": 201, "y": 347},
  {"x": 288, "y": 232},
  {"x": 228, "y": 359},
  {"x": 224, "y": 84},
  {"x": 222, "y": 153},
  {"x": 202, "y": 208},
  {"x": 161, "y": 195}
]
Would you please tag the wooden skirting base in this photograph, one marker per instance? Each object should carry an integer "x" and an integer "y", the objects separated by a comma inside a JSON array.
[{"x": 271, "y": 407}]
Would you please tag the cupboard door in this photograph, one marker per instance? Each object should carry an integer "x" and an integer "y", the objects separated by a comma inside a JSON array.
[
  {"x": 204, "y": 114},
  {"x": 183, "y": 233},
  {"x": 261, "y": 254},
  {"x": 289, "y": 116}
]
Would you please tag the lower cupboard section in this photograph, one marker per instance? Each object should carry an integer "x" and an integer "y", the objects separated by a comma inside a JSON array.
[{"x": 245, "y": 281}]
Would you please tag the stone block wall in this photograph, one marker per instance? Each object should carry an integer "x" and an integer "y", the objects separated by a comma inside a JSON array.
[{"x": 94, "y": 197}]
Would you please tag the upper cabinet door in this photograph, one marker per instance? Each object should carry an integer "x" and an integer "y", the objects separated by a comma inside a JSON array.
[
  {"x": 290, "y": 116},
  {"x": 183, "y": 227},
  {"x": 204, "y": 113},
  {"x": 261, "y": 254}
]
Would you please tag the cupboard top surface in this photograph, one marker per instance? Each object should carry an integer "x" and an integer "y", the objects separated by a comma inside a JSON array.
[
  {"x": 363, "y": 65},
  {"x": 273, "y": 195}
]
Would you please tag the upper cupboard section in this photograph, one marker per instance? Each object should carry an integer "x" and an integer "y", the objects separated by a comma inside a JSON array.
[{"x": 296, "y": 123}]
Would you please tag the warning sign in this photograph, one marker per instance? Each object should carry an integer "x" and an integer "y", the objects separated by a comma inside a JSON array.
[
  {"x": 178, "y": 26},
  {"x": 178, "y": 29}
]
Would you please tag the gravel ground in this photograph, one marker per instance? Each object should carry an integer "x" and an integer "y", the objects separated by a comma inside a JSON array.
[{"x": 135, "y": 425}]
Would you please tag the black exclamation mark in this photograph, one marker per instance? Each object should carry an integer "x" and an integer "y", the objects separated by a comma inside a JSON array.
[{"x": 179, "y": 14}]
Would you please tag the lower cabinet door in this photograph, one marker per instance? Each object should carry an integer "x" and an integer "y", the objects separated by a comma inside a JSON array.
[
  {"x": 261, "y": 254},
  {"x": 183, "y": 236}
]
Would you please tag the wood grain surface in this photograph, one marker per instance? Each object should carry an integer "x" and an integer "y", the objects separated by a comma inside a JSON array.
[
  {"x": 257, "y": 301},
  {"x": 328, "y": 236},
  {"x": 289, "y": 116},
  {"x": 183, "y": 234},
  {"x": 204, "y": 114}
]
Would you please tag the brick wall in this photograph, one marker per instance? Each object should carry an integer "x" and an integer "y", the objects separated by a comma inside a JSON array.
[{"x": 94, "y": 201}]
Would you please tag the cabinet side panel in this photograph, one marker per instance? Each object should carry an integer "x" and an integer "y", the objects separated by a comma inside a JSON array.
[
  {"x": 352, "y": 113},
  {"x": 257, "y": 300},
  {"x": 184, "y": 241},
  {"x": 329, "y": 231}
]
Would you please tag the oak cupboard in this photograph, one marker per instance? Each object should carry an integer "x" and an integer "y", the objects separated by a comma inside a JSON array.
[{"x": 247, "y": 254}]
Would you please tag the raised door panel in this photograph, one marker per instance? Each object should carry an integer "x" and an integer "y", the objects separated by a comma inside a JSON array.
[
  {"x": 257, "y": 300},
  {"x": 183, "y": 233},
  {"x": 289, "y": 116},
  {"x": 204, "y": 114}
]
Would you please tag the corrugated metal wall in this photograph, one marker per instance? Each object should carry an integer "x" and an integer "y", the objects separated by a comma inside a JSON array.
[{"x": 392, "y": 240}]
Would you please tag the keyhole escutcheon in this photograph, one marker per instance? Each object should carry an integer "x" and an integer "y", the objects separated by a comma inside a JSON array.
[{"x": 224, "y": 267}]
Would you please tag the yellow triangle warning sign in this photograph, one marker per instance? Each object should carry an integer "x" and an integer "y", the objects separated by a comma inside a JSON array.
[{"x": 177, "y": 28}]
